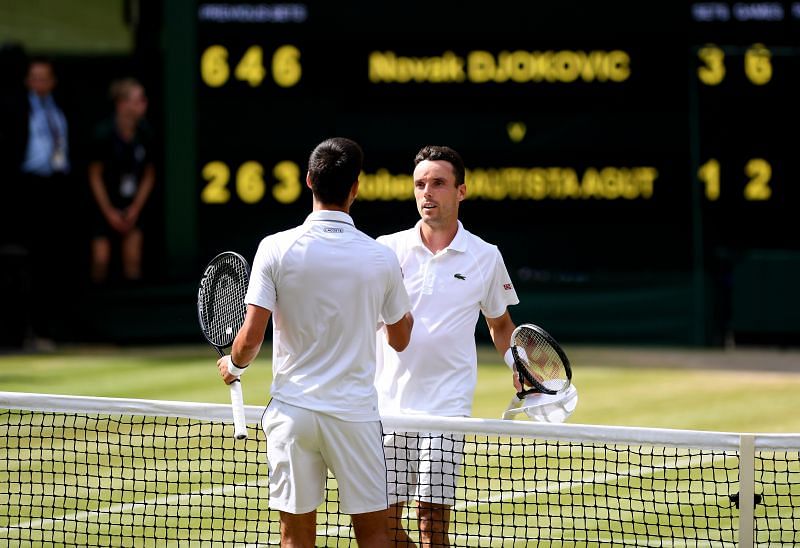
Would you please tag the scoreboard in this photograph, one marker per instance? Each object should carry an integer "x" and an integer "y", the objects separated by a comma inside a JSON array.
[{"x": 602, "y": 141}]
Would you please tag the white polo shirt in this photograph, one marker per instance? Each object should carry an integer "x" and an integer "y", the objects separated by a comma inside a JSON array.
[
  {"x": 327, "y": 285},
  {"x": 437, "y": 372}
]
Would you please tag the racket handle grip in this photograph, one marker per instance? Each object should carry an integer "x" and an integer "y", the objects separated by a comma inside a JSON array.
[{"x": 237, "y": 406}]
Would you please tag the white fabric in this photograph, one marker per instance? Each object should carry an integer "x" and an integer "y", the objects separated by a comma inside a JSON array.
[
  {"x": 233, "y": 370},
  {"x": 437, "y": 372},
  {"x": 423, "y": 466},
  {"x": 327, "y": 286},
  {"x": 304, "y": 444},
  {"x": 508, "y": 357},
  {"x": 552, "y": 408}
]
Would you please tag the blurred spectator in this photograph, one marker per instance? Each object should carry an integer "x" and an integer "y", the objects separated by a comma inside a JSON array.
[
  {"x": 43, "y": 202},
  {"x": 47, "y": 151},
  {"x": 121, "y": 177}
]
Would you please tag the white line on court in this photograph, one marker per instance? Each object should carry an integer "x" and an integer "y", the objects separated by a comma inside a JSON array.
[
  {"x": 540, "y": 487},
  {"x": 591, "y": 477},
  {"x": 563, "y": 486},
  {"x": 129, "y": 507}
]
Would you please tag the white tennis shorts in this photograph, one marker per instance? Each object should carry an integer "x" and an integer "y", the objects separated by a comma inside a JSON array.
[
  {"x": 303, "y": 444},
  {"x": 423, "y": 466}
]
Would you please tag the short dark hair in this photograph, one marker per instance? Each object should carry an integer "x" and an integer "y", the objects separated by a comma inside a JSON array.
[
  {"x": 445, "y": 154},
  {"x": 333, "y": 167}
]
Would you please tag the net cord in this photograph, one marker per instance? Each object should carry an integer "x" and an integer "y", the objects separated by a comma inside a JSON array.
[{"x": 692, "y": 439}]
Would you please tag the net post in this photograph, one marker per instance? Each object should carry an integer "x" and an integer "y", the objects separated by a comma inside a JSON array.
[{"x": 746, "y": 490}]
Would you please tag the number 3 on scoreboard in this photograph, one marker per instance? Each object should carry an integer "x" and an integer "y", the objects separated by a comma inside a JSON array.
[{"x": 250, "y": 185}]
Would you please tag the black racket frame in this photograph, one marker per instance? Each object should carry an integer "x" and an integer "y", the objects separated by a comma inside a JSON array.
[
  {"x": 525, "y": 376},
  {"x": 202, "y": 305}
]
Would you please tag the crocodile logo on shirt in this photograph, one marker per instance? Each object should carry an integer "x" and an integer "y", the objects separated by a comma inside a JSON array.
[{"x": 459, "y": 276}]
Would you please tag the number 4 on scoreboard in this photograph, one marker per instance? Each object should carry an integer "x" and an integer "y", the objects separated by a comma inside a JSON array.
[{"x": 286, "y": 68}]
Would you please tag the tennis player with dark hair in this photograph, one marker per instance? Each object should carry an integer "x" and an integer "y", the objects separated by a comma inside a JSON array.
[
  {"x": 327, "y": 286},
  {"x": 451, "y": 276}
]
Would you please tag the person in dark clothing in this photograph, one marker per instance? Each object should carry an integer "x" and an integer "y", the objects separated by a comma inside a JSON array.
[{"x": 121, "y": 178}]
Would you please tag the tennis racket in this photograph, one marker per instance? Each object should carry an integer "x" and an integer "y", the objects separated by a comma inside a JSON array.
[
  {"x": 542, "y": 364},
  {"x": 221, "y": 309},
  {"x": 540, "y": 361}
]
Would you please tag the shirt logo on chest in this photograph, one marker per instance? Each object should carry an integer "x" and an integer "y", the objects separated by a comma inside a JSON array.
[{"x": 459, "y": 276}]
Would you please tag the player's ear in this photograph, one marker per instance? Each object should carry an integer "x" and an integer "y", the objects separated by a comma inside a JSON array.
[
  {"x": 308, "y": 180},
  {"x": 462, "y": 191}
]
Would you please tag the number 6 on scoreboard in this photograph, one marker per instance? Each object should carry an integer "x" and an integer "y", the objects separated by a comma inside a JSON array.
[{"x": 220, "y": 310}]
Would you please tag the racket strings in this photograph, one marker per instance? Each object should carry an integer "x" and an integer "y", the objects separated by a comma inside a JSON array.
[
  {"x": 222, "y": 295},
  {"x": 543, "y": 362}
]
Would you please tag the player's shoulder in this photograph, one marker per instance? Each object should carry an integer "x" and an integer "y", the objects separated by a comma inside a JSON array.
[
  {"x": 279, "y": 239},
  {"x": 476, "y": 244},
  {"x": 378, "y": 245},
  {"x": 398, "y": 239}
]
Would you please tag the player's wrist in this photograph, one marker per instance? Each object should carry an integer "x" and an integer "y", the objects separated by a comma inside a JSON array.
[
  {"x": 508, "y": 357},
  {"x": 236, "y": 370}
]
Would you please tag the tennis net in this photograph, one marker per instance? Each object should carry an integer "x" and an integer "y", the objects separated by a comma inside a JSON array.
[{"x": 80, "y": 471}]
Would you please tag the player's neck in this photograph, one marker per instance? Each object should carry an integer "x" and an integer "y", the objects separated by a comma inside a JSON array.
[
  {"x": 436, "y": 237},
  {"x": 318, "y": 206}
]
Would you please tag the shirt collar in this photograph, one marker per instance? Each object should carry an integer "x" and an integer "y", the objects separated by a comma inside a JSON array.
[
  {"x": 329, "y": 215},
  {"x": 459, "y": 242},
  {"x": 36, "y": 99}
]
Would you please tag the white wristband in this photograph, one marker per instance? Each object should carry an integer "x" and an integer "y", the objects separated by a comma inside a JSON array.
[
  {"x": 233, "y": 370},
  {"x": 508, "y": 357}
]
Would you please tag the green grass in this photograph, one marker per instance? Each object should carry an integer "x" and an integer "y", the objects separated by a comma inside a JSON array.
[
  {"x": 669, "y": 388},
  {"x": 66, "y": 483},
  {"x": 100, "y": 481}
]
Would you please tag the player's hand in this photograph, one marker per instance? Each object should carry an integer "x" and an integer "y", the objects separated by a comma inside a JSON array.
[
  {"x": 222, "y": 365},
  {"x": 517, "y": 384}
]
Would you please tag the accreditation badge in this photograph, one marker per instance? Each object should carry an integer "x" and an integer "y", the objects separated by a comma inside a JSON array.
[
  {"x": 127, "y": 185},
  {"x": 58, "y": 161}
]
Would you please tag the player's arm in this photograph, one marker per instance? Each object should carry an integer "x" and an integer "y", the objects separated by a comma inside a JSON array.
[
  {"x": 500, "y": 329},
  {"x": 398, "y": 335},
  {"x": 248, "y": 341}
]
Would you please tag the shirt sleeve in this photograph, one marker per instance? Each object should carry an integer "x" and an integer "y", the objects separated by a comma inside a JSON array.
[
  {"x": 396, "y": 303},
  {"x": 500, "y": 293},
  {"x": 261, "y": 289}
]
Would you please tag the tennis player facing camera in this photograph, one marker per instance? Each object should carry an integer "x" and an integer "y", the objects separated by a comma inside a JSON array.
[
  {"x": 451, "y": 276},
  {"x": 327, "y": 285}
]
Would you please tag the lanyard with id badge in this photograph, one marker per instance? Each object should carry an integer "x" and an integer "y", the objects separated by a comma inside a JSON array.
[
  {"x": 129, "y": 182},
  {"x": 58, "y": 159}
]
